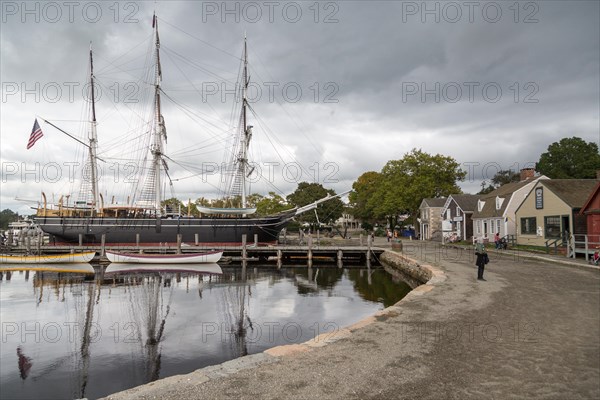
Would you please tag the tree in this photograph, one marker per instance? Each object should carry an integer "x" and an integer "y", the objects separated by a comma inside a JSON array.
[
  {"x": 361, "y": 204},
  {"x": 306, "y": 193},
  {"x": 271, "y": 204},
  {"x": 485, "y": 188},
  {"x": 501, "y": 178},
  {"x": 571, "y": 158},
  {"x": 174, "y": 205},
  {"x": 7, "y": 216},
  {"x": 505, "y": 176},
  {"x": 418, "y": 175}
]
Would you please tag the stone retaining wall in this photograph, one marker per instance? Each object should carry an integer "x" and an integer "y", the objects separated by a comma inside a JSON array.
[{"x": 422, "y": 273}]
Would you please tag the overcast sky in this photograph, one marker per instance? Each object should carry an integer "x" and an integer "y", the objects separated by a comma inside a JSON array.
[{"x": 339, "y": 88}]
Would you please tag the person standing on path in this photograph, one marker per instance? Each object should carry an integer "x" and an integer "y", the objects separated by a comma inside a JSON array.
[{"x": 482, "y": 259}]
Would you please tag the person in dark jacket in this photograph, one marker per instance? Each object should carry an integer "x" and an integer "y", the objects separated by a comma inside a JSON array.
[{"x": 482, "y": 259}]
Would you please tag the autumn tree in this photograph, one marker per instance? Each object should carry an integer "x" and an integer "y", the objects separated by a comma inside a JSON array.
[
  {"x": 306, "y": 193},
  {"x": 570, "y": 158}
]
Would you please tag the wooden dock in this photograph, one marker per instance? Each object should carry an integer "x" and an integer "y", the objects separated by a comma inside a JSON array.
[{"x": 349, "y": 252}]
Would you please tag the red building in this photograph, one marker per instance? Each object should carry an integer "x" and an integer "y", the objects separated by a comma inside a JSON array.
[{"x": 591, "y": 209}]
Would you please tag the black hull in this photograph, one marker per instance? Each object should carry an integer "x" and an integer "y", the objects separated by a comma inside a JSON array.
[{"x": 161, "y": 230}]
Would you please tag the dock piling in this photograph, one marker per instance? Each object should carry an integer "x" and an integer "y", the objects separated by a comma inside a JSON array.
[
  {"x": 40, "y": 239},
  {"x": 179, "y": 243},
  {"x": 103, "y": 245},
  {"x": 279, "y": 258},
  {"x": 196, "y": 239},
  {"x": 80, "y": 239},
  {"x": 244, "y": 249},
  {"x": 310, "y": 243}
]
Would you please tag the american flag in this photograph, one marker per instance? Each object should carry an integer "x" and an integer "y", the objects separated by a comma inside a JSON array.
[{"x": 36, "y": 134}]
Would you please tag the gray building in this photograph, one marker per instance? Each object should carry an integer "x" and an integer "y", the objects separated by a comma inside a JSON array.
[{"x": 430, "y": 218}]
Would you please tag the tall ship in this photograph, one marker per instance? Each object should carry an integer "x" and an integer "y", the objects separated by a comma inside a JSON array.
[{"x": 146, "y": 219}]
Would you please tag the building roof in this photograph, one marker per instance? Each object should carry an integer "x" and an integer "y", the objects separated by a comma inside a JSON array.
[
  {"x": 467, "y": 202},
  {"x": 574, "y": 192},
  {"x": 505, "y": 192},
  {"x": 588, "y": 203},
  {"x": 433, "y": 202}
]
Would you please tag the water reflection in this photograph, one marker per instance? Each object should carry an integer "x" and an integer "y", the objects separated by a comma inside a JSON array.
[
  {"x": 24, "y": 363},
  {"x": 79, "y": 335}
]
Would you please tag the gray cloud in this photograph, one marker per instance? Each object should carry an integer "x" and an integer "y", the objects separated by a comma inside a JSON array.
[{"x": 376, "y": 59}]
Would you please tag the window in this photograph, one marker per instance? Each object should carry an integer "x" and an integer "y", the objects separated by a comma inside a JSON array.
[
  {"x": 478, "y": 227},
  {"x": 448, "y": 214},
  {"x": 552, "y": 227},
  {"x": 498, "y": 225},
  {"x": 499, "y": 201},
  {"x": 528, "y": 226}
]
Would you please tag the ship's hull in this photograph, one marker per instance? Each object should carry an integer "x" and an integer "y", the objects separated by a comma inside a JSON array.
[{"x": 163, "y": 230}]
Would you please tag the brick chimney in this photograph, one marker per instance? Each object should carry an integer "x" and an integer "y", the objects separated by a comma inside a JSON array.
[{"x": 527, "y": 173}]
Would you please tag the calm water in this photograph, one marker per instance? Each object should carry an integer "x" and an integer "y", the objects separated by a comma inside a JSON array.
[{"x": 74, "y": 335}]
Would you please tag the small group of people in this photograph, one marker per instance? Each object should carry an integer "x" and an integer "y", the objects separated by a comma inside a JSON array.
[{"x": 391, "y": 234}]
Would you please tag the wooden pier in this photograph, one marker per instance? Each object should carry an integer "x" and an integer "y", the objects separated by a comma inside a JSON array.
[{"x": 349, "y": 252}]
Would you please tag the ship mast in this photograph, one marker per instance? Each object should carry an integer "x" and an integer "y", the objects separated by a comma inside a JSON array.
[
  {"x": 247, "y": 130},
  {"x": 159, "y": 132},
  {"x": 93, "y": 141}
]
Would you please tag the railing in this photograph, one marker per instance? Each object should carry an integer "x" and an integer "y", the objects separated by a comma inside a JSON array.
[
  {"x": 555, "y": 243},
  {"x": 511, "y": 240},
  {"x": 583, "y": 244}
]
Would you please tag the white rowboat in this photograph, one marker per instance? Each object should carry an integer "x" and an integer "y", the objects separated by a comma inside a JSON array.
[{"x": 188, "y": 258}]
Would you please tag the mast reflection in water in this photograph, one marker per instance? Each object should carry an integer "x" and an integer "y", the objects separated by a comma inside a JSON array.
[{"x": 84, "y": 334}]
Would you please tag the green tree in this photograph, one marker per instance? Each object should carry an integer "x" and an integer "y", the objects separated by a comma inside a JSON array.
[
  {"x": 570, "y": 158},
  {"x": 306, "y": 193},
  {"x": 363, "y": 189},
  {"x": 174, "y": 205},
  {"x": 501, "y": 178},
  {"x": 271, "y": 204},
  {"x": 485, "y": 188},
  {"x": 7, "y": 216},
  {"x": 418, "y": 175}
]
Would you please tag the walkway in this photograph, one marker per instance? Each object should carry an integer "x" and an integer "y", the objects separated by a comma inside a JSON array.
[{"x": 532, "y": 330}]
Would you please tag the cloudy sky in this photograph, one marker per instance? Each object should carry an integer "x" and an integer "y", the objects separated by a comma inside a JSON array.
[{"x": 338, "y": 88}]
